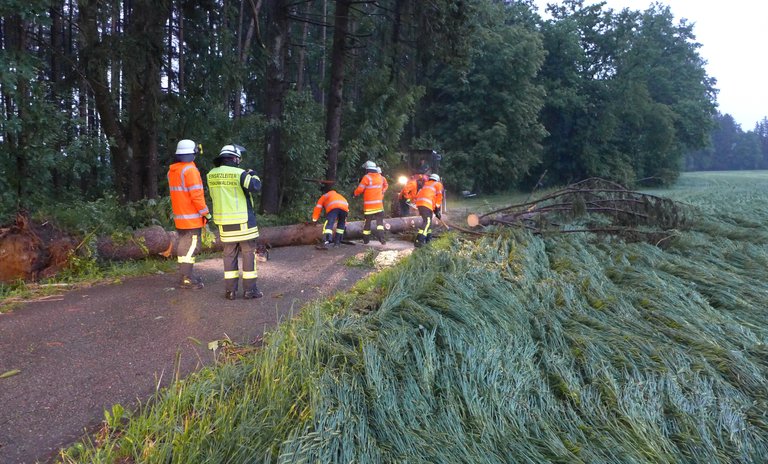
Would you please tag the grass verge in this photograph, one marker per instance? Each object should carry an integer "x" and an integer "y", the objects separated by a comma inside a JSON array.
[{"x": 510, "y": 348}]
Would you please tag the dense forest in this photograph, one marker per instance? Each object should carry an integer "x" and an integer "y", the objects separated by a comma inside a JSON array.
[
  {"x": 95, "y": 95},
  {"x": 731, "y": 148}
]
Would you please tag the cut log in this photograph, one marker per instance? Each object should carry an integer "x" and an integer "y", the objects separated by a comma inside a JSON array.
[
  {"x": 156, "y": 241},
  {"x": 150, "y": 241},
  {"x": 308, "y": 234},
  {"x": 29, "y": 255}
]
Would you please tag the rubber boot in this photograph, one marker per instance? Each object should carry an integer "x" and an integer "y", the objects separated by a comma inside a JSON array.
[
  {"x": 230, "y": 286},
  {"x": 252, "y": 291},
  {"x": 420, "y": 240},
  {"x": 326, "y": 242},
  {"x": 191, "y": 282},
  {"x": 187, "y": 279},
  {"x": 337, "y": 239},
  {"x": 380, "y": 236},
  {"x": 429, "y": 238}
]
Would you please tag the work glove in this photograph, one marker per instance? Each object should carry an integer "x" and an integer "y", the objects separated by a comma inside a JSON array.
[
  {"x": 208, "y": 225},
  {"x": 437, "y": 213}
]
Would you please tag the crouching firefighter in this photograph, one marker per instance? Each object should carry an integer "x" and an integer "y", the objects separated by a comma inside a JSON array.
[
  {"x": 428, "y": 200},
  {"x": 407, "y": 195},
  {"x": 336, "y": 210},
  {"x": 232, "y": 192}
]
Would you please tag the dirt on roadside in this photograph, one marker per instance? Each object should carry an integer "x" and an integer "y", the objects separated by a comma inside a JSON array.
[{"x": 79, "y": 353}]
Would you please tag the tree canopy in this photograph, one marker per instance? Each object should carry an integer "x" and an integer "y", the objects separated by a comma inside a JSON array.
[{"x": 96, "y": 94}]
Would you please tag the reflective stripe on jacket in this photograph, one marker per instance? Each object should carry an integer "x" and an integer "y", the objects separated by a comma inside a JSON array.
[
  {"x": 431, "y": 195},
  {"x": 372, "y": 186},
  {"x": 329, "y": 201},
  {"x": 187, "y": 195},
  {"x": 234, "y": 211}
]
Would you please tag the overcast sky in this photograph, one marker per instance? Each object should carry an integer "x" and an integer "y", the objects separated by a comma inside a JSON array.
[{"x": 734, "y": 37}]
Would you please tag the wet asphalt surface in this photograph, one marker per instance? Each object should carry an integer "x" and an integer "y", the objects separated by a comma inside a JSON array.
[{"x": 80, "y": 352}]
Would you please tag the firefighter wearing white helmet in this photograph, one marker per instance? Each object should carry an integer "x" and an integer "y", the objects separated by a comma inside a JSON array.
[
  {"x": 428, "y": 201},
  {"x": 190, "y": 213},
  {"x": 372, "y": 186},
  {"x": 233, "y": 192}
]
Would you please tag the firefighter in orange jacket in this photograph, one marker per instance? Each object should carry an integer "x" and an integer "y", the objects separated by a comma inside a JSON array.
[
  {"x": 336, "y": 210},
  {"x": 190, "y": 213},
  {"x": 407, "y": 195},
  {"x": 428, "y": 200},
  {"x": 372, "y": 186}
]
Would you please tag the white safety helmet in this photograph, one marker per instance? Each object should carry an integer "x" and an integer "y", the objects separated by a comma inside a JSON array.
[
  {"x": 232, "y": 151},
  {"x": 369, "y": 165},
  {"x": 186, "y": 150},
  {"x": 186, "y": 147},
  {"x": 378, "y": 169},
  {"x": 434, "y": 177}
]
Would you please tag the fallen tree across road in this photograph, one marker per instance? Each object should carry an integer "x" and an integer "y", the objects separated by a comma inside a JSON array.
[{"x": 39, "y": 254}]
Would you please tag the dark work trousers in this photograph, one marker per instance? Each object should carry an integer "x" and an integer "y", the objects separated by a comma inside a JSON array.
[
  {"x": 426, "y": 224},
  {"x": 369, "y": 218},
  {"x": 187, "y": 247},
  {"x": 339, "y": 217},
  {"x": 405, "y": 208},
  {"x": 247, "y": 251}
]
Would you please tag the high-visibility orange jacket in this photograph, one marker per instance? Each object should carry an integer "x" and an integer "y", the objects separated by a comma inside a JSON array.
[
  {"x": 329, "y": 201},
  {"x": 372, "y": 186},
  {"x": 431, "y": 195},
  {"x": 411, "y": 188},
  {"x": 187, "y": 195}
]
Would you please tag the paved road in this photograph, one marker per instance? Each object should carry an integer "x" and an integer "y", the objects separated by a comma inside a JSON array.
[{"x": 85, "y": 350}]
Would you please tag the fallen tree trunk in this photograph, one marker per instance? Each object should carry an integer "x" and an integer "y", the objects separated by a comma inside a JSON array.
[
  {"x": 308, "y": 234},
  {"x": 150, "y": 241},
  {"x": 29, "y": 253},
  {"x": 153, "y": 242}
]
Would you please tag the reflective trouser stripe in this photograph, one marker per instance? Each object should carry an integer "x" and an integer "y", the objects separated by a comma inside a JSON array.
[
  {"x": 326, "y": 229},
  {"x": 369, "y": 218},
  {"x": 426, "y": 220},
  {"x": 186, "y": 246},
  {"x": 425, "y": 230},
  {"x": 232, "y": 251}
]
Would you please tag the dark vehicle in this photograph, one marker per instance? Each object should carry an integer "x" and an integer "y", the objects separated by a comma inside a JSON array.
[{"x": 419, "y": 162}]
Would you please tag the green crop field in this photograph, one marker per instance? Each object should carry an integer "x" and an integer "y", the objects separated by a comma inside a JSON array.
[{"x": 566, "y": 348}]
